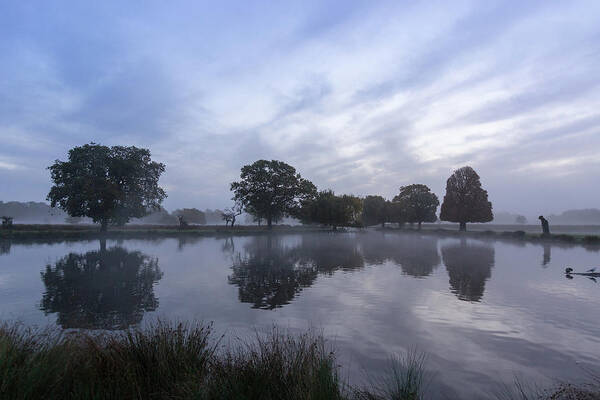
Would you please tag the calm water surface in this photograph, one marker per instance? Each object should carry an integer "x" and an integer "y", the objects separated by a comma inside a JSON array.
[{"x": 483, "y": 311}]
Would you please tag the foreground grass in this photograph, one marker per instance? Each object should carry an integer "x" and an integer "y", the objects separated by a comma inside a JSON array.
[
  {"x": 171, "y": 361},
  {"x": 186, "y": 361}
]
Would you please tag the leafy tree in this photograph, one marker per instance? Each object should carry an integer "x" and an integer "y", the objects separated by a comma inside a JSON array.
[
  {"x": 107, "y": 184},
  {"x": 465, "y": 200},
  {"x": 329, "y": 209},
  {"x": 191, "y": 215},
  {"x": 374, "y": 211},
  {"x": 395, "y": 212},
  {"x": 255, "y": 216},
  {"x": 418, "y": 203},
  {"x": 271, "y": 190}
]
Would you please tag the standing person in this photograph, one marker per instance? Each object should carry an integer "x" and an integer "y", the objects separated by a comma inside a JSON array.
[{"x": 545, "y": 226}]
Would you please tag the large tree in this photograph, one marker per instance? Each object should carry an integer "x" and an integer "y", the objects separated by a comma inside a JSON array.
[
  {"x": 110, "y": 185},
  {"x": 465, "y": 200},
  {"x": 271, "y": 190},
  {"x": 418, "y": 203},
  {"x": 332, "y": 210},
  {"x": 374, "y": 211}
]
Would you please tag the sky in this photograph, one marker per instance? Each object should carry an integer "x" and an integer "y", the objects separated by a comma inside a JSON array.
[{"x": 360, "y": 97}]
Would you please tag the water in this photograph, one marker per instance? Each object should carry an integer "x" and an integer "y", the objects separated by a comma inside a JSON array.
[{"x": 483, "y": 311}]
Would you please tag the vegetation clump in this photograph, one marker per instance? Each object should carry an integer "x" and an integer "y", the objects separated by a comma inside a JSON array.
[
  {"x": 271, "y": 190},
  {"x": 465, "y": 200},
  {"x": 329, "y": 209},
  {"x": 184, "y": 361},
  {"x": 110, "y": 185},
  {"x": 418, "y": 203},
  {"x": 7, "y": 222}
]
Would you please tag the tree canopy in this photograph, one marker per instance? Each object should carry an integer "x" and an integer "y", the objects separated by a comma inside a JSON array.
[
  {"x": 374, "y": 210},
  {"x": 465, "y": 200},
  {"x": 418, "y": 203},
  {"x": 271, "y": 190},
  {"x": 107, "y": 184},
  {"x": 329, "y": 209}
]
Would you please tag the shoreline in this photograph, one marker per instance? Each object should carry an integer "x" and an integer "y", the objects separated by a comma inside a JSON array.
[
  {"x": 85, "y": 232},
  {"x": 585, "y": 240},
  {"x": 57, "y": 232}
]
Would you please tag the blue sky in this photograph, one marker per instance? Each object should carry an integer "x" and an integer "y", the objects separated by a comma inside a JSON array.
[{"x": 361, "y": 97}]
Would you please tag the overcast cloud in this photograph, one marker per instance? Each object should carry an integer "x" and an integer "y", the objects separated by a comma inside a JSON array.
[{"x": 361, "y": 97}]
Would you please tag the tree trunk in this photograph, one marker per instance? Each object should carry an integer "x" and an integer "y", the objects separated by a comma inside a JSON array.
[
  {"x": 419, "y": 228},
  {"x": 270, "y": 222},
  {"x": 463, "y": 227},
  {"x": 383, "y": 224},
  {"x": 102, "y": 245},
  {"x": 103, "y": 225}
]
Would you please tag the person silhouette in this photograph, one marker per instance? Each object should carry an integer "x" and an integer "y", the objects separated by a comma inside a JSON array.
[{"x": 545, "y": 226}]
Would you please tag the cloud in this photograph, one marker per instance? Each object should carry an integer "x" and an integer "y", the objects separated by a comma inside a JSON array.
[{"x": 361, "y": 98}]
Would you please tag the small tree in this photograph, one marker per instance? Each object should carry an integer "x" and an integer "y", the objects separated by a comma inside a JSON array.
[
  {"x": 271, "y": 190},
  {"x": 182, "y": 221},
  {"x": 7, "y": 222},
  {"x": 418, "y": 203},
  {"x": 107, "y": 184},
  {"x": 465, "y": 200},
  {"x": 374, "y": 211},
  {"x": 230, "y": 214}
]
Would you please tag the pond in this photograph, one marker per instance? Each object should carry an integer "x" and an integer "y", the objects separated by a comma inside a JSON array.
[{"x": 483, "y": 311}]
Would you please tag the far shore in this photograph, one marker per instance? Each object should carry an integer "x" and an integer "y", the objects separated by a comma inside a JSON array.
[{"x": 506, "y": 232}]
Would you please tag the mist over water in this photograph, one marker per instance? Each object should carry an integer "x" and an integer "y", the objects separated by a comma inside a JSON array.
[{"x": 483, "y": 311}]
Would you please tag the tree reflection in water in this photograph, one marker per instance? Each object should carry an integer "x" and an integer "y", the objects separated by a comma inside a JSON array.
[
  {"x": 469, "y": 266},
  {"x": 4, "y": 247},
  {"x": 417, "y": 255},
  {"x": 270, "y": 271},
  {"x": 106, "y": 289}
]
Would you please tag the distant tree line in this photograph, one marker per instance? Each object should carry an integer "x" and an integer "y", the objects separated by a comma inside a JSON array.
[
  {"x": 271, "y": 190},
  {"x": 112, "y": 185}
]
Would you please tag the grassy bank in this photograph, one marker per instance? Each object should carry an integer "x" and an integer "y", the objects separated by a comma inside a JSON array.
[
  {"x": 177, "y": 361},
  {"x": 522, "y": 236},
  {"x": 90, "y": 232},
  {"x": 186, "y": 361}
]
